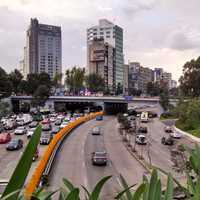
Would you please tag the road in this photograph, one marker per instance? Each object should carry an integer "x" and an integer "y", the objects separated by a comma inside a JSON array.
[{"x": 74, "y": 159}]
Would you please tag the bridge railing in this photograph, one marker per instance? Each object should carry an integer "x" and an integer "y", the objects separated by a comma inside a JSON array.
[{"x": 42, "y": 164}]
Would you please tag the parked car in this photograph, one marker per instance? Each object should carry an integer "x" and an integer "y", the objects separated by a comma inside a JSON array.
[
  {"x": 33, "y": 124},
  {"x": 36, "y": 155},
  {"x": 55, "y": 130},
  {"x": 10, "y": 124},
  {"x": 99, "y": 158},
  {"x": 45, "y": 138},
  {"x": 46, "y": 121},
  {"x": 141, "y": 139},
  {"x": 176, "y": 135},
  {"x": 167, "y": 141},
  {"x": 99, "y": 117},
  {"x": 58, "y": 122},
  {"x": 53, "y": 119},
  {"x": 142, "y": 129},
  {"x": 64, "y": 124},
  {"x": 60, "y": 117},
  {"x": 46, "y": 127},
  {"x": 21, "y": 130},
  {"x": 30, "y": 132},
  {"x": 14, "y": 144},
  {"x": 5, "y": 138},
  {"x": 152, "y": 114},
  {"x": 96, "y": 131},
  {"x": 168, "y": 129}
]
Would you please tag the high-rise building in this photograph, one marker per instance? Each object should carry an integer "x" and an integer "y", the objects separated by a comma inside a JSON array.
[
  {"x": 43, "y": 49},
  {"x": 113, "y": 35},
  {"x": 125, "y": 84},
  {"x": 158, "y": 74},
  {"x": 101, "y": 60},
  {"x": 167, "y": 78}
]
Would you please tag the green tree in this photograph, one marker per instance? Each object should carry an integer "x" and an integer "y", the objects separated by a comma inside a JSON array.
[
  {"x": 164, "y": 100},
  {"x": 15, "y": 78},
  {"x": 23, "y": 87},
  {"x": 95, "y": 83},
  {"x": 33, "y": 82},
  {"x": 189, "y": 81},
  {"x": 57, "y": 80},
  {"x": 74, "y": 79},
  {"x": 153, "y": 89},
  {"x": 5, "y": 109},
  {"x": 44, "y": 79},
  {"x": 41, "y": 95},
  {"x": 5, "y": 84},
  {"x": 119, "y": 89}
]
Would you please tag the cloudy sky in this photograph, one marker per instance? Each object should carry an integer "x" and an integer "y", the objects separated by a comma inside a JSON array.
[{"x": 157, "y": 33}]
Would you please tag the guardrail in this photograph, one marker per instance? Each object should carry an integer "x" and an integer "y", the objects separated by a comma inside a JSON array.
[{"x": 45, "y": 163}]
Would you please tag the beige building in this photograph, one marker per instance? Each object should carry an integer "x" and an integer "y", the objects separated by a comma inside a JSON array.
[{"x": 100, "y": 61}]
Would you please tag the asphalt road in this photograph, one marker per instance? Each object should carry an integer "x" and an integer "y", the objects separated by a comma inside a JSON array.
[{"x": 74, "y": 159}]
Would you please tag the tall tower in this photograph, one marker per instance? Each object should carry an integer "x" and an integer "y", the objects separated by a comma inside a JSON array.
[
  {"x": 112, "y": 35},
  {"x": 43, "y": 49}
]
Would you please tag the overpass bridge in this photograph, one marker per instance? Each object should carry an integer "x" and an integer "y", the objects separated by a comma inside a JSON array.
[{"x": 111, "y": 104}]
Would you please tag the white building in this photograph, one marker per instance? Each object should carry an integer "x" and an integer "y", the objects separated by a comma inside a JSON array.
[{"x": 113, "y": 35}]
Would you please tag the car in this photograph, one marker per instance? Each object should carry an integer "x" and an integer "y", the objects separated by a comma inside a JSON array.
[
  {"x": 21, "y": 130},
  {"x": 176, "y": 135},
  {"x": 58, "y": 122},
  {"x": 168, "y": 129},
  {"x": 30, "y": 132},
  {"x": 5, "y": 138},
  {"x": 152, "y": 114},
  {"x": 14, "y": 144},
  {"x": 36, "y": 155},
  {"x": 142, "y": 129},
  {"x": 45, "y": 138},
  {"x": 46, "y": 127},
  {"x": 10, "y": 124},
  {"x": 67, "y": 119},
  {"x": 33, "y": 124},
  {"x": 96, "y": 131},
  {"x": 99, "y": 158},
  {"x": 141, "y": 139},
  {"x": 144, "y": 117},
  {"x": 46, "y": 121},
  {"x": 99, "y": 117},
  {"x": 53, "y": 119},
  {"x": 55, "y": 130},
  {"x": 64, "y": 124},
  {"x": 167, "y": 141},
  {"x": 60, "y": 117}
]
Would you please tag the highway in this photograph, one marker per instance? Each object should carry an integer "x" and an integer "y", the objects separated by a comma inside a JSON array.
[{"x": 74, "y": 159}]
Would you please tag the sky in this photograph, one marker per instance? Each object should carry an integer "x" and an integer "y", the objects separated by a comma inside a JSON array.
[{"x": 157, "y": 33}]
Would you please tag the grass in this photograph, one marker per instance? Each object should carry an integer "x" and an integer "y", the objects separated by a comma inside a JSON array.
[
  {"x": 194, "y": 132},
  {"x": 167, "y": 117}
]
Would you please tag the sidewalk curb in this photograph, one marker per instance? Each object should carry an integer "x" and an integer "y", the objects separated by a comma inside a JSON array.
[
  {"x": 142, "y": 162},
  {"x": 196, "y": 139}
]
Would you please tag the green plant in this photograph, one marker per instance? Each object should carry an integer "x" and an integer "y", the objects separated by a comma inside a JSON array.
[{"x": 21, "y": 171}]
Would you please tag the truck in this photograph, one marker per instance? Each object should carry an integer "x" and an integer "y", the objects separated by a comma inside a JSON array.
[
  {"x": 144, "y": 117},
  {"x": 24, "y": 119}
]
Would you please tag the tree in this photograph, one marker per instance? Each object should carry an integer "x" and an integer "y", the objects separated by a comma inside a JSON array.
[
  {"x": 153, "y": 89},
  {"x": 189, "y": 81},
  {"x": 44, "y": 79},
  {"x": 57, "y": 80},
  {"x": 119, "y": 89},
  {"x": 23, "y": 87},
  {"x": 74, "y": 79},
  {"x": 33, "y": 82},
  {"x": 5, "y": 109},
  {"x": 5, "y": 84},
  {"x": 164, "y": 100},
  {"x": 15, "y": 78},
  {"x": 41, "y": 95},
  {"x": 95, "y": 83}
]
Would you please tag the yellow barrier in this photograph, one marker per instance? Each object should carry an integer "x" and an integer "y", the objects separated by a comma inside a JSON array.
[{"x": 35, "y": 178}]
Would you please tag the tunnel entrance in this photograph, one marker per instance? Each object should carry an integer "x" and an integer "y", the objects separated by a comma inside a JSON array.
[{"x": 115, "y": 108}]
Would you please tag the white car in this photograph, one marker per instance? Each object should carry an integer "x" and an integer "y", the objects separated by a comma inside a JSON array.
[
  {"x": 61, "y": 117},
  {"x": 64, "y": 124},
  {"x": 21, "y": 130},
  {"x": 30, "y": 132},
  {"x": 141, "y": 139},
  {"x": 176, "y": 135},
  {"x": 53, "y": 119}
]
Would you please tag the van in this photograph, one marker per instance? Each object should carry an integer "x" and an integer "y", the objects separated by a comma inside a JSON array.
[{"x": 144, "y": 117}]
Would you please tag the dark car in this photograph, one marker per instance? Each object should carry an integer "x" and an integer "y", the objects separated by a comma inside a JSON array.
[
  {"x": 46, "y": 127},
  {"x": 168, "y": 129},
  {"x": 99, "y": 158},
  {"x": 167, "y": 141},
  {"x": 99, "y": 117},
  {"x": 58, "y": 122},
  {"x": 15, "y": 144},
  {"x": 45, "y": 138},
  {"x": 33, "y": 124},
  {"x": 96, "y": 131},
  {"x": 142, "y": 129},
  {"x": 152, "y": 114},
  {"x": 55, "y": 130}
]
